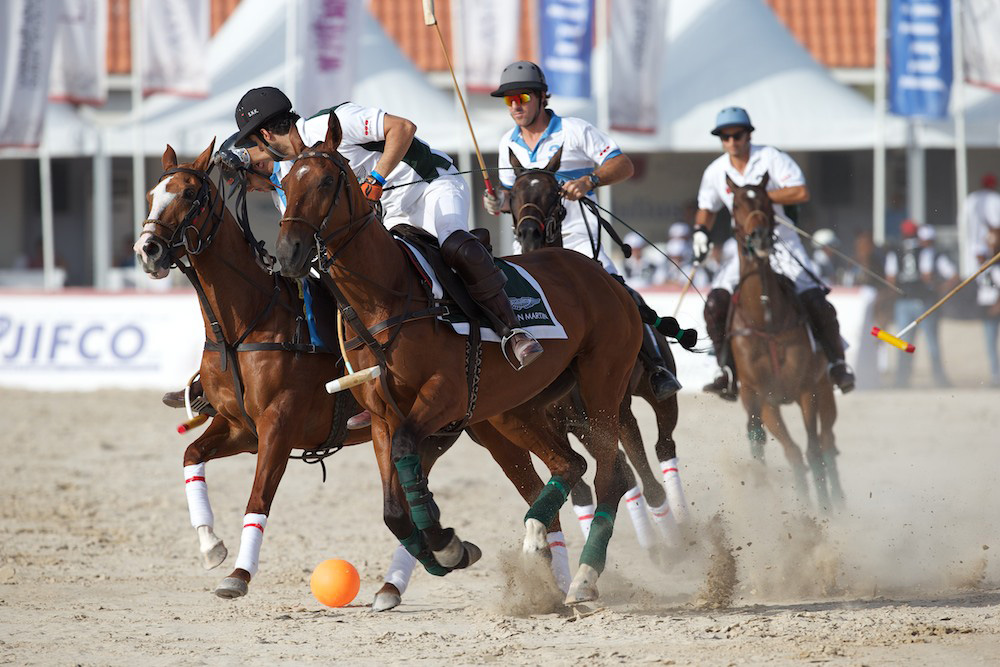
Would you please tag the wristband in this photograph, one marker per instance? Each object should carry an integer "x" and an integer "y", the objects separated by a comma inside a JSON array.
[{"x": 378, "y": 177}]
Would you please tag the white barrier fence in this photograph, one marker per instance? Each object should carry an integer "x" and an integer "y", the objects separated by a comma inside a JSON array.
[{"x": 68, "y": 341}]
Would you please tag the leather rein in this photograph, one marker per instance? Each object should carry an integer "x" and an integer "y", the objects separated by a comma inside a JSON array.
[{"x": 549, "y": 219}]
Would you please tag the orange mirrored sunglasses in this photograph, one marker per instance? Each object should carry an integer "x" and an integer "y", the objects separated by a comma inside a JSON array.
[{"x": 523, "y": 98}]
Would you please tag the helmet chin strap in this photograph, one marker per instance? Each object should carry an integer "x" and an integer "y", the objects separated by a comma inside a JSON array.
[{"x": 274, "y": 152}]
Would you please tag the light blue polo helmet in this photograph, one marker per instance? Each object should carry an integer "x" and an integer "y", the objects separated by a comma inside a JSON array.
[{"x": 732, "y": 116}]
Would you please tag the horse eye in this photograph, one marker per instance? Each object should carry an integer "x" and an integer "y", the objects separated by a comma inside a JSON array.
[
  {"x": 188, "y": 193},
  {"x": 327, "y": 182}
]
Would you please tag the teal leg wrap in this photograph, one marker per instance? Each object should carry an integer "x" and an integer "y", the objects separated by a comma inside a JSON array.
[
  {"x": 423, "y": 510},
  {"x": 595, "y": 551},
  {"x": 549, "y": 501},
  {"x": 415, "y": 545}
]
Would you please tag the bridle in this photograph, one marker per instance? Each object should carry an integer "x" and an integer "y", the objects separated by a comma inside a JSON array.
[
  {"x": 760, "y": 239},
  {"x": 549, "y": 219},
  {"x": 323, "y": 256},
  {"x": 179, "y": 236}
]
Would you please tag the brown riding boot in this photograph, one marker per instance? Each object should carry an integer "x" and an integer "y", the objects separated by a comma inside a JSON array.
[
  {"x": 716, "y": 314},
  {"x": 823, "y": 319},
  {"x": 200, "y": 404},
  {"x": 473, "y": 263}
]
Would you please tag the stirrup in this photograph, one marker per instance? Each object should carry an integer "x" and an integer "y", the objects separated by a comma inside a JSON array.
[{"x": 515, "y": 363}]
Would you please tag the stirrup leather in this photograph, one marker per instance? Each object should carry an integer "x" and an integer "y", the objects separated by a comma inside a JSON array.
[{"x": 506, "y": 339}]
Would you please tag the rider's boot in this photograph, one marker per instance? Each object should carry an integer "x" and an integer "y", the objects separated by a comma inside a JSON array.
[
  {"x": 716, "y": 315},
  {"x": 823, "y": 319},
  {"x": 663, "y": 382},
  {"x": 199, "y": 404},
  {"x": 473, "y": 263}
]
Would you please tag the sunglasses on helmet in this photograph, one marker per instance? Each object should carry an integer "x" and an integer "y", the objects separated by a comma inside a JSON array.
[{"x": 523, "y": 98}]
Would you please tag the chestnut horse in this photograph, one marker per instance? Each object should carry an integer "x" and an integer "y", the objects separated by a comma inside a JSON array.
[
  {"x": 281, "y": 387},
  {"x": 775, "y": 354},
  {"x": 537, "y": 209},
  {"x": 426, "y": 384}
]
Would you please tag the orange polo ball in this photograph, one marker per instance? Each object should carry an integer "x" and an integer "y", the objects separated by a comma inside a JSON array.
[{"x": 335, "y": 583}]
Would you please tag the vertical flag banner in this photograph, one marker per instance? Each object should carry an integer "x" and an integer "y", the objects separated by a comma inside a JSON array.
[
  {"x": 79, "y": 63},
  {"x": 489, "y": 40},
  {"x": 920, "y": 67},
  {"x": 27, "y": 30},
  {"x": 638, "y": 30},
  {"x": 981, "y": 42},
  {"x": 567, "y": 39},
  {"x": 174, "y": 47},
  {"x": 329, "y": 37}
]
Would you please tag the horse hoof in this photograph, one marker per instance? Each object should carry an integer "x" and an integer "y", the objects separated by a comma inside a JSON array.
[
  {"x": 231, "y": 587},
  {"x": 452, "y": 554},
  {"x": 534, "y": 538},
  {"x": 472, "y": 555},
  {"x": 215, "y": 556},
  {"x": 584, "y": 586},
  {"x": 387, "y": 598}
]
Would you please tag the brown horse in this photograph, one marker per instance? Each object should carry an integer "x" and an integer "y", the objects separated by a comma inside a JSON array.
[
  {"x": 427, "y": 384},
  {"x": 774, "y": 352},
  {"x": 279, "y": 385},
  {"x": 538, "y": 210}
]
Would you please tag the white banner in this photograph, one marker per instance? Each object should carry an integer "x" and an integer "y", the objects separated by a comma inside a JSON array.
[
  {"x": 27, "y": 29},
  {"x": 79, "y": 63},
  {"x": 329, "y": 53},
  {"x": 489, "y": 34},
  {"x": 981, "y": 35},
  {"x": 637, "y": 36},
  {"x": 175, "y": 36}
]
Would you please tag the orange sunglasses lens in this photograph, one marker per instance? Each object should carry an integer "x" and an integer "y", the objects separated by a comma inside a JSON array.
[{"x": 523, "y": 98}]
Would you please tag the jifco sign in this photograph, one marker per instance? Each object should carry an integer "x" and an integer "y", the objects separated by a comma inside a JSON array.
[{"x": 69, "y": 344}]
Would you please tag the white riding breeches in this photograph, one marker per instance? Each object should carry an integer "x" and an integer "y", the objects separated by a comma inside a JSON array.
[
  {"x": 789, "y": 258},
  {"x": 442, "y": 209}
]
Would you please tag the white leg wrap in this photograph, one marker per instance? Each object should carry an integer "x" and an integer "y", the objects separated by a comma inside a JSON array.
[
  {"x": 560, "y": 560},
  {"x": 636, "y": 505},
  {"x": 197, "y": 496},
  {"x": 672, "y": 485},
  {"x": 585, "y": 513},
  {"x": 664, "y": 520},
  {"x": 250, "y": 541},
  {"x": 400, "y": 569}
]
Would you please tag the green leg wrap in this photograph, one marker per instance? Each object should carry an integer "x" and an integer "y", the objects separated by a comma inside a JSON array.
[
  {"x": 423, "y": 510},
  {"x": 415, "y": 545},
  {"x": 595, "y": 551},
  {"x": 549, "y": 501}
]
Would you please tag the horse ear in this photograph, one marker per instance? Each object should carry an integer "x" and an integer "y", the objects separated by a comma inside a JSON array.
[
  {"x": 765, "y": 179},
  {"x": 334, "y": 133},
  {"x": 169, "y": 159},
  {"x": 730, "y": 184},
  {"x": 515, "y": 163},
  {"x": 553, "y": 164},
  {"x": 203, "y": 160}
]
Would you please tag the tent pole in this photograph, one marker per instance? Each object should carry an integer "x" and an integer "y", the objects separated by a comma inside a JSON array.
[
  {"x": 602, "y": 87},
  {"x": 101, "y": 175},
  {"x": 138, "y": 156},
  {"x": 48, "y": 236},
  {"x": 878, "y": 177},
  {"x": 291, "y": 43},
  {"x": 966, "y": 262}
]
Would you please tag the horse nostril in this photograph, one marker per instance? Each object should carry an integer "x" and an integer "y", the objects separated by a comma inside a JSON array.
[{"x": 151, "y": 249}]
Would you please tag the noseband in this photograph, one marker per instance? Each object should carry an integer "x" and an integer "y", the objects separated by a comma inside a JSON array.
[
  {"x": 549, "y": 221},
  {"x": 178, "y": 237}
]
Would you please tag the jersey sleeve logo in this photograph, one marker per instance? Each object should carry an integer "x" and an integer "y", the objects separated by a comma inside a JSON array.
[
  {"x": 366, "y": 128},
  {"x": 606, "y": 149}
]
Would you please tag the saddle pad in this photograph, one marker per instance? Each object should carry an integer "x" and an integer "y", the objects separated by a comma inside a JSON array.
[{"x": 526, "y": 298}]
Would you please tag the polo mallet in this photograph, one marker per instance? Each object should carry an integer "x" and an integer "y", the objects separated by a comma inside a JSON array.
[
  {"x": 791, "y": 225},
  {"x": 907, "y": 347},
  {"x": 430, "y": 19},
  {"x": 194, "y": 422},
  {"x": 353, "y": 378},
  {"x": 694, "y": 270}
]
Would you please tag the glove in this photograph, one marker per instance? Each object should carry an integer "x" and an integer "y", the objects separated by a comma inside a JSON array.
[
  {"x": 494, "y": 203},
  {"x": 371, "y": 189},
  {"x": 700, "y": 243},
  {"x": 688, "y": 338}
]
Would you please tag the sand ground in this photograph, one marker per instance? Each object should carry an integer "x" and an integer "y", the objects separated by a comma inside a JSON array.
[{"x": 99, "y": 565}]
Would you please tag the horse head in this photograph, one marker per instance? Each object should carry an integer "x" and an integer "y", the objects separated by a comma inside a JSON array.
[
  {"x": 536, "y": 203},
  {"x": 753, "y": 217},
  {"x": 182, "y": 217}
]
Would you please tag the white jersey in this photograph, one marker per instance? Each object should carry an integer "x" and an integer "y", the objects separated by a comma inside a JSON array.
[
  {"x": 789, "y": 257},
  {"x": 584, "y": 148},
  {"x": 362, "y": 146},
  {"x": 982, "y": 210}
]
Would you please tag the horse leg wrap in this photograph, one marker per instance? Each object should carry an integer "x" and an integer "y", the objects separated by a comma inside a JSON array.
[
  {"x": 549, "y": 501},
  {"x": 415, "y": 545},
  {"x": 423, "y": 510},
  {"x": 757, "y": 438},
  {"x": 595, "y": 551}
]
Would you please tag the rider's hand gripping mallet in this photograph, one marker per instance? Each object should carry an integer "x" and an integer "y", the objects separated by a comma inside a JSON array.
[
  {"x": 907, "y": 347},
  {"x": 353, "y": 378},
  {"x": 430, "y": 19}
]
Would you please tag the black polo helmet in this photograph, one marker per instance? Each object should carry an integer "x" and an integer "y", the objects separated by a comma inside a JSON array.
[
  {"x": 255, "y": 109},
  {"x": 522, "y": 75}
]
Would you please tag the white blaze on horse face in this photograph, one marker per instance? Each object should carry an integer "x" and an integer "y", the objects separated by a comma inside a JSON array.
[
  {"x": 161, "y": 200},
  {"x": 533, "y": 182},
  {"x": 751, "y": 194}
]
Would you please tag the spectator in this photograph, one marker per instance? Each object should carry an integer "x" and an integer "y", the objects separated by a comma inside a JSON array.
[
  {"x": 646, "y": 266},
  {"x": 680, "y": 268},
  {"x": 923, "y": 274},
  {"x": 982, "y": 211},
  {"x": 988, "y": 297}
]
